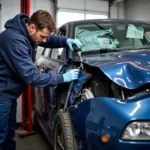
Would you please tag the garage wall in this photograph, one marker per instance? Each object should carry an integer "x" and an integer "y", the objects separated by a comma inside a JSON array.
[
  {"x": 9, "y": 8},
  {"x": 95, "y": 6},
  {"x": 138, "y": 9},
  {"x": 117, "y": 10},
  {"x": 84, "y": 5},
  {"x": 79, "y": 10},
  {"x": 42, "y": 4},
  {"x": 131, "y": 9}
]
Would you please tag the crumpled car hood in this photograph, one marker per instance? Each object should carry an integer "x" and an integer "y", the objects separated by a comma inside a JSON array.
[{"x": 129, "y": 69}]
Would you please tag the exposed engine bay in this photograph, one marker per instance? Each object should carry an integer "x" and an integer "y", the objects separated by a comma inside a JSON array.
[{"x": 99, "y": 85}]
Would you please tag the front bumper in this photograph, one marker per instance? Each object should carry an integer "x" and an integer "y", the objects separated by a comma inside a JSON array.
[
  {"x": 122, "y": 145},
  {"x": 108, "y": 115},
  {"x": 133, "y": 145}
]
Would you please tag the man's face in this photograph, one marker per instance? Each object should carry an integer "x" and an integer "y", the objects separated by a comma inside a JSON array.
[{"x": 38, "y": 36}]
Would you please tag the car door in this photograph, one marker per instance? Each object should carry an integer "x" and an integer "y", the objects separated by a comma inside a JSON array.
[
  {"x": 50, "y": 61},
  {"x": 39, "y": 92}
]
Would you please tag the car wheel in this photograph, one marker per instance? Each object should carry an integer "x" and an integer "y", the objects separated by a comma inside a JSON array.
[{"x": 63, "y": 133}]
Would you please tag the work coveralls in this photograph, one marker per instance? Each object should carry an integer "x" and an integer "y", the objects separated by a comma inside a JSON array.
[{"x": 17, "y": 70}]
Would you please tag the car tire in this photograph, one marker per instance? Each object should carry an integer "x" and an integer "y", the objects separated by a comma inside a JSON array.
[{"x": 63, "y": 132}]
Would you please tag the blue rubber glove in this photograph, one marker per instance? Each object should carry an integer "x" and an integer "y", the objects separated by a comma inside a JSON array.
[
  {"x": 71, "y": 75},
  {"x": 73, "y": 41}
]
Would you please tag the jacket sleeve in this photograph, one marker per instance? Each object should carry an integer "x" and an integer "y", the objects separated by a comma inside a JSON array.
[
  {"x": 21, "y": 63},
  {"x": 54, "y": 41}
]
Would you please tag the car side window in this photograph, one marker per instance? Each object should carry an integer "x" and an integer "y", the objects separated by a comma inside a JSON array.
[{"x": 59, "y": 53}]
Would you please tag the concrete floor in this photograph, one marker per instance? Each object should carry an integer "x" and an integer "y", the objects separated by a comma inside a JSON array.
[{"x": 32, "y": 142}]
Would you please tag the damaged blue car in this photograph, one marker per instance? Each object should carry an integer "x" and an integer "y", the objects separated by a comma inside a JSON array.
[{"x": 108, "y": 107}]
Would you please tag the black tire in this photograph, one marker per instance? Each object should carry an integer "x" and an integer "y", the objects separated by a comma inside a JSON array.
[{"x": 63, "y": 133}]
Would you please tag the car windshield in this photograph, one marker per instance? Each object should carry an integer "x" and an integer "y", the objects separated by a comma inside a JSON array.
[{"x": 96, "y": 36}]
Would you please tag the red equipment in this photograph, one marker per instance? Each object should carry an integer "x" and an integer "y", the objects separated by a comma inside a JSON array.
[{"x": 26, "y": 124}]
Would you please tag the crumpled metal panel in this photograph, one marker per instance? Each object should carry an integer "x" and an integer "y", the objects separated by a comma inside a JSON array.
[
  {"x": 129, "y": 69},
  {"x": 83, "y": 77}
]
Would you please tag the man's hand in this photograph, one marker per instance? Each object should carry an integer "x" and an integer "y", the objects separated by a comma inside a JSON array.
[
  {"x": 73, "y": 41},
  {"x": 71, "y": 75}
]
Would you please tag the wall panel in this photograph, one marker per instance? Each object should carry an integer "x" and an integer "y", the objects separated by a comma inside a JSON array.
[
  {"x": 83, "y": 5},
  {"x": 9, "y": 8},
  {"x": 138, "y": 10}
]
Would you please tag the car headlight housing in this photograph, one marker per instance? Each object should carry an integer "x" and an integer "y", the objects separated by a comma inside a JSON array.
[{"x": 137, "y": 131}]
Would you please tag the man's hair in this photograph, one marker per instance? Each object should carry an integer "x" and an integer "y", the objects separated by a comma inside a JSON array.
[{"x": 42, "y": 19}]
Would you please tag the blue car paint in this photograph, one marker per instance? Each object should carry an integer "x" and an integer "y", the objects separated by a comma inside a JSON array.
[
  {"x": 83, "y": 77},
  {"x": 105, "y": 108},
  {"x": 112, "y": 114},
  {"x": 128, "y": 145},
  {"x": 100, "y": 115},
  {"x": 127, "y": 69},
  {"x": 88, "y": 127}
]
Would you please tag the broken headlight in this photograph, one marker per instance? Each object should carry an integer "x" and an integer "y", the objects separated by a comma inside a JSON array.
[{"x": 137, "y": 131}]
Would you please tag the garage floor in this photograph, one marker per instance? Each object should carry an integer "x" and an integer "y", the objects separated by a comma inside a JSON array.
[{"x": 37, "y": 142}]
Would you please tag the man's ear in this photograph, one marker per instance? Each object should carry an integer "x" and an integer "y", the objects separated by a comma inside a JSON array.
[{"x": 32, "y": 28}]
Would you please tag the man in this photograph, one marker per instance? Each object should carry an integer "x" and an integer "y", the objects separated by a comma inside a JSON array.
[{"x": 17, "y": 45}]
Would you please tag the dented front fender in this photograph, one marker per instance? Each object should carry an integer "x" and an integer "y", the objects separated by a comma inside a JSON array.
[{"x": 100, "y": 115}]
